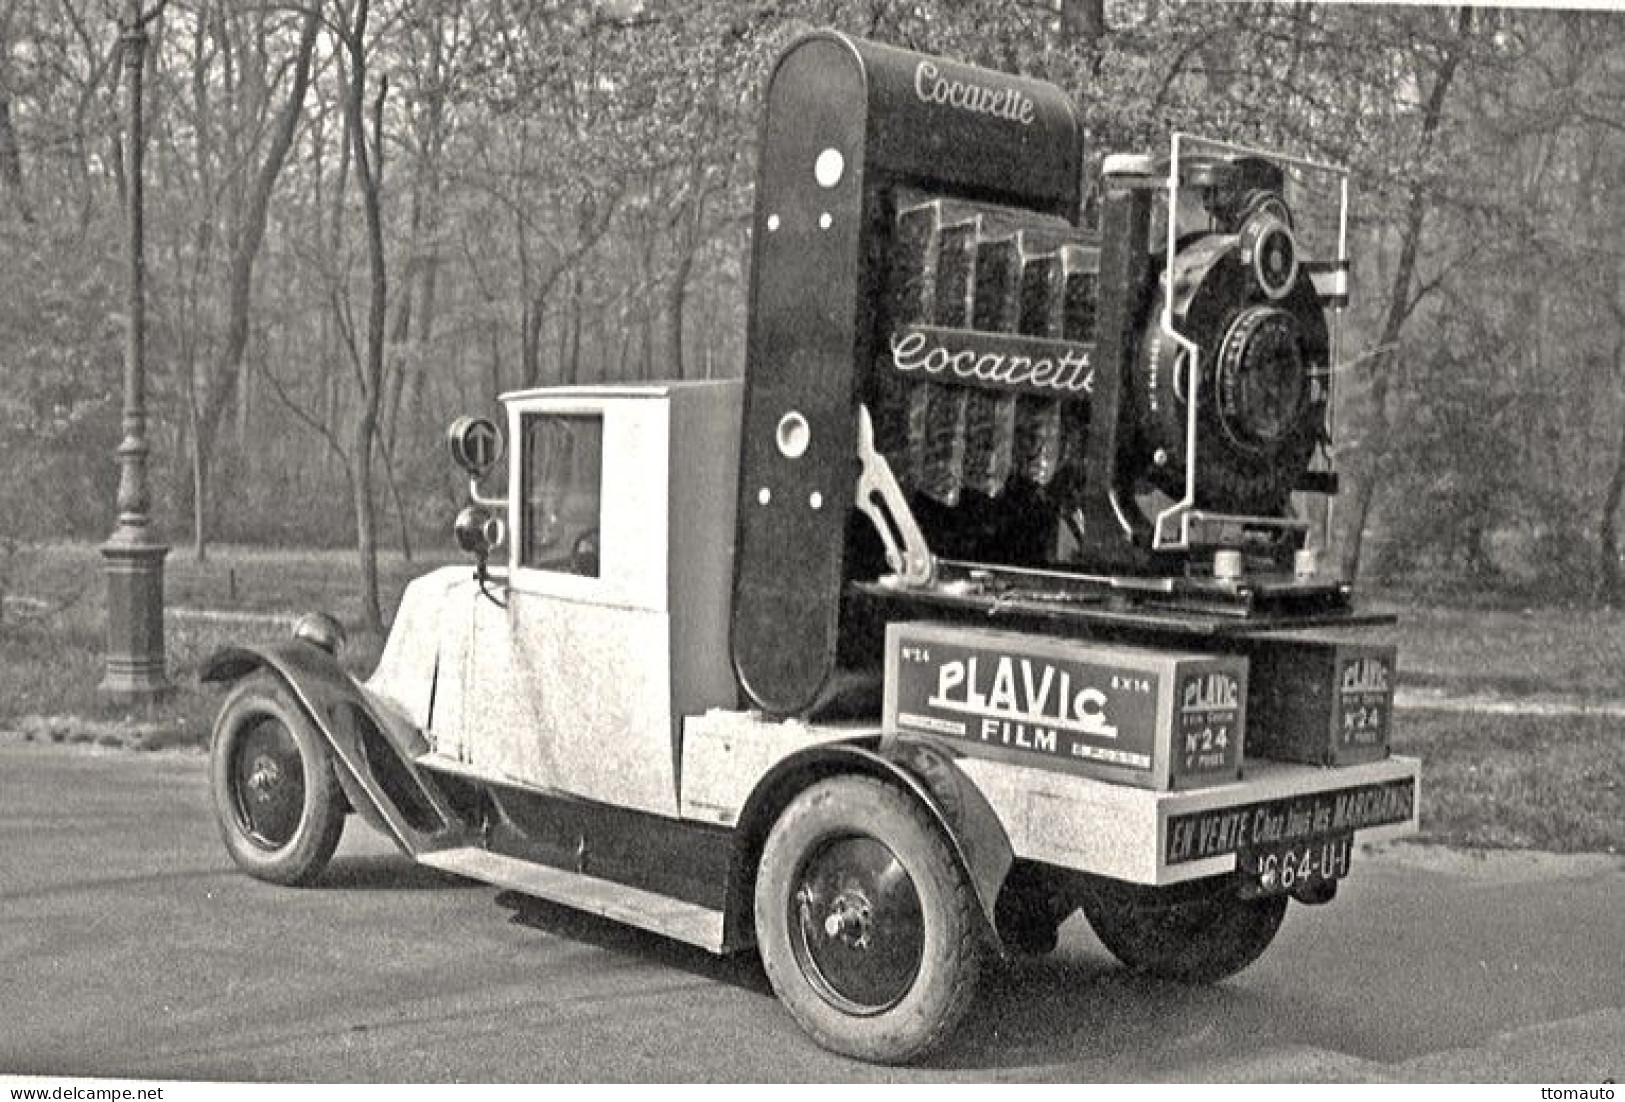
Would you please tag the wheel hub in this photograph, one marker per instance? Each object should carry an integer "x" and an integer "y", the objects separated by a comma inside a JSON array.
[
  {"x": 850, "y": 920},
  {"x": 269, "y": 784},
  {"x": 264, "y": 777},
  {"x": 856, "y": 924}
]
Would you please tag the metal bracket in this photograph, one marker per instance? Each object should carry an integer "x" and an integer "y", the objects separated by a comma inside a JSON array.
[
  {"x": 881, "y": 499},
  {"x": 1200, "y": 528},
  {"x": 481, "y": 500}
]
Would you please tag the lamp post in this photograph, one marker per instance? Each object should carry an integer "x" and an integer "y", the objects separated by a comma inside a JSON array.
[{"x": 133, "y": 555}]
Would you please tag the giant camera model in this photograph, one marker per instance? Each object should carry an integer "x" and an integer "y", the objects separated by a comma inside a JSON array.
[{"x": 1039, "y": 413}]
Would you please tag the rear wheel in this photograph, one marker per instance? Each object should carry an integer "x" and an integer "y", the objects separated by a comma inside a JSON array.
[
  {"x": 1032, "y": 906},
  {"x": 868, "y": 927},
  {"x": 1194, "y": 935},
  {"x": 279, "y": 806}
]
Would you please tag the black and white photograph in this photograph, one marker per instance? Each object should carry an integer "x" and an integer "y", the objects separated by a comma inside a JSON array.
[{"x": 590, "y": 542}]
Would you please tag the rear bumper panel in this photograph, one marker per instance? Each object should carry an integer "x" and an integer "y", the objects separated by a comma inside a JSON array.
[{"x": 1161, "y": 838}]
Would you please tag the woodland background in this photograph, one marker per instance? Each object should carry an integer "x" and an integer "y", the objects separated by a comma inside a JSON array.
[{"x": 367, "y": 216}]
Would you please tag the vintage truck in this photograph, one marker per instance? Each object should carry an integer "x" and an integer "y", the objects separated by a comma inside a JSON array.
[{"x": 988, "y": 594}]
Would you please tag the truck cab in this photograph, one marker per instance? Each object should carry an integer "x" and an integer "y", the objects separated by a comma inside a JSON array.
[
  {"x": 611, "y": 574},
  {"x": 963, "y": 610}
]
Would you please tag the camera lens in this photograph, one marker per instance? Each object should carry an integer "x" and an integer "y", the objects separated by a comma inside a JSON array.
[
  {"x": 1268, "y": 249},
  {"x": 1275, "y": 259},
  {"x": 1261, "y": 378}
]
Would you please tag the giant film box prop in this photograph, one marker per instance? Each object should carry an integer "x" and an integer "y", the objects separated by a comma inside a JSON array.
[
  {"x": 1323, "y": 702},
  {"x": 1153, "y": 719}
]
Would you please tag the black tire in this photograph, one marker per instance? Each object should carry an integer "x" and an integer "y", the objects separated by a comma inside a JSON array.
[
  {"x": 868, "y": 927},
  {"x": 1189, "y": 936},
  {"x": 1031, "y": 908},
  {"x": 279, "y": 805}
]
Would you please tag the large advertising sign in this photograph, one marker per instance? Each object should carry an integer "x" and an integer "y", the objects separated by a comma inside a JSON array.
[{"x": 1147, "y": 718}]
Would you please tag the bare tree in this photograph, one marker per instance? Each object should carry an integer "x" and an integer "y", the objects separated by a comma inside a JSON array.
[{"x": 221, "y": 382}]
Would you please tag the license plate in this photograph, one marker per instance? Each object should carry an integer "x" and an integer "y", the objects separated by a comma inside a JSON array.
[{"x": 1297, "y": 866}]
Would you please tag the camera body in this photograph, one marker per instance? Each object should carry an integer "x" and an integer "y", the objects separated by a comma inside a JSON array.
[
  {"x": 1034, "y": 400},
  {"x": 1137, "y": 405}
]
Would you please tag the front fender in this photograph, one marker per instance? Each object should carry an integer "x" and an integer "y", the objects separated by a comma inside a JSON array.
[
  {"x": 920, "y": 767},
  {"x": 374, "y": 749},
  {"x": 231, "y": 664}
]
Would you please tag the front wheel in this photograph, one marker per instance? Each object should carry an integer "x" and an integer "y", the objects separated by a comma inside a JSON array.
[
  {"x": 1197, "y": 935},
  {"x": 868, "y": 927},
  {"x": 280, "y": 807}
]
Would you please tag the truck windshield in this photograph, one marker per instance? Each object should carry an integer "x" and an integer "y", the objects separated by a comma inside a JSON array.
[{"x": 563, "y": 464}]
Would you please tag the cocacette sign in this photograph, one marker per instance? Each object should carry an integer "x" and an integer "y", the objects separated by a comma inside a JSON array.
[
  {"x": 995, "y": 361},
  {"x": 967, "y": 93}
]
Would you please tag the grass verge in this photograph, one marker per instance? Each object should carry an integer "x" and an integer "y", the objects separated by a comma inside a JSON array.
[
  {"x": 1538, "y": 651},
  {"x": 54, "y": 631},
  {"x": 1519, "y": 781}
]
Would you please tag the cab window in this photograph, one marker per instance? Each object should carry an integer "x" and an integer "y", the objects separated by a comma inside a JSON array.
[{"x": 562, "y": 483}]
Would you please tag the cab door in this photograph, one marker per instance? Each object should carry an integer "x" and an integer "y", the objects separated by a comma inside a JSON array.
[{"x": 575, "y": 670}]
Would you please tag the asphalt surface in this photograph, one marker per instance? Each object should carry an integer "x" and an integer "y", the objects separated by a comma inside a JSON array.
[{"x": 130, "y": 947}]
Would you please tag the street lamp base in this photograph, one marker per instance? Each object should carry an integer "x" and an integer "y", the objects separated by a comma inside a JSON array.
[{"x": 135, "y": 618}]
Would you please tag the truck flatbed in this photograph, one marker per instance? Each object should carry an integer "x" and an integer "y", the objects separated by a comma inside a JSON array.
[{"x": 1179, "y": 606}]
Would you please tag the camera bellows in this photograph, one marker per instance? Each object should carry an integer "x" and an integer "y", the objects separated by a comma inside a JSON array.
[{"x": 962, "y": 403}]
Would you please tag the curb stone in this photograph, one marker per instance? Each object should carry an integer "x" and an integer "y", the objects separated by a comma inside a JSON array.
[{"x": 110, "y": 734}]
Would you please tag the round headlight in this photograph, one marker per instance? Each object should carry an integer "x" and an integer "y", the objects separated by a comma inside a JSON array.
[
  {"x": 322, "y": 630},
  {"x": 478, "y": 532}
]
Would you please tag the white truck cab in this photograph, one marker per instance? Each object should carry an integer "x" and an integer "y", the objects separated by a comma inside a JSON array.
[{"x": 607, "y": 621}]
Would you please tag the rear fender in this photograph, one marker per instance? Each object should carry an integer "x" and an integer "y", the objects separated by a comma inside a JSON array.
[
  {"x": 920, "y": 767},
  {"x": 374, "y": 749}
]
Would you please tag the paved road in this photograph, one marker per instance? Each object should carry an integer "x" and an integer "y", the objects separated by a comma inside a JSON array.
[{"x": 130, "y": 947}]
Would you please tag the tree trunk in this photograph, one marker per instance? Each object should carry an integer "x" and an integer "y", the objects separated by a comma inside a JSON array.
[
  {"x": 11, "y": 155},
  {"x": 220, "y": 388},
  {"x": 11, "y": 158},
  {"x": 425, "y": 232},
  {"x": 1083, "y": 20},
  {"x": 676, "y": 305},
  {"x": 199, "y": 531},
  {"x": 400, "y": 336},
  {"x": 366, "y": 529},
  {"x": 1608, "y": 565},
  {"x": 572, "y": 351},
  {"x": 495, "y": 363},
  {"x": 647, "y": 345},
  {"x": 369, "y": 174},
  {"x": 530, "y": 344}
]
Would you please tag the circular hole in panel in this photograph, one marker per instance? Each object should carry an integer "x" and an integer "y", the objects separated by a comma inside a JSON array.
[
  {"x": 772, "y": 222},
  {"x": 793, "y": 435},
  {"x": 824, "y": 221},
  {"x": 764, "y": 495},
  {"x": 829, "y": 168},
  {"x": 816, "y": 500}
]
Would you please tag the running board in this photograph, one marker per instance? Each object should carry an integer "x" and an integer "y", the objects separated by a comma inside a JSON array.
[{"x": 660, "y": 914}]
